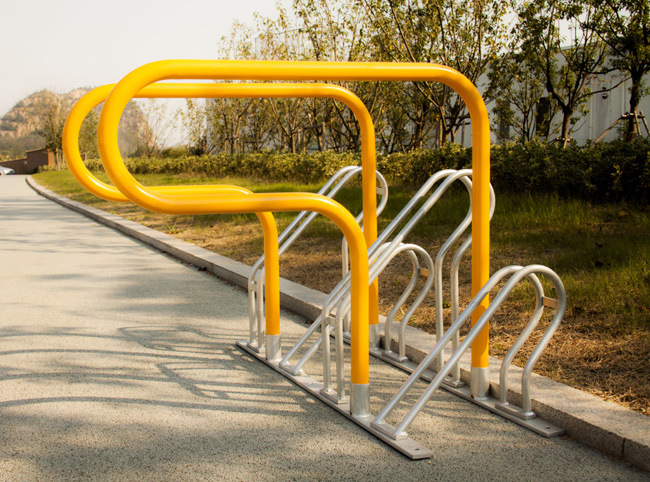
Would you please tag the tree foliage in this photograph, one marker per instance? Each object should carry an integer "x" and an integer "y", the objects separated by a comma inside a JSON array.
[
  {"x": 521, "y": 90},
  {"x": 464, "y": 35},
  {"x": 88, "y": 136},
  {"x": 154, "y": 134},
  {"x": 535, "y": 69},
  {"x": 195, "y": 124},
  {"x": 565, "y": 70},
  {"x": 54, "y": 112}
]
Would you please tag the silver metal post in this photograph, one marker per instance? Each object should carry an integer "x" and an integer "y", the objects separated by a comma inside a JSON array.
[
  {"x": 340, "y": 360},
  {"x": 325, "y": 337},
  {"x": 479, "y": 382},
  {"x": 273, "y": 348},
  {"x": 360, "y": 400}
]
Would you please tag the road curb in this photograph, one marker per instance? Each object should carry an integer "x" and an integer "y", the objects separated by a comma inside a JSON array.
[{"x": 605, "y": 426}]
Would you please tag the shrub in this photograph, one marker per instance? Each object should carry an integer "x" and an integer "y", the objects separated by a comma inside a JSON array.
[{"x": 616, "y": 171}]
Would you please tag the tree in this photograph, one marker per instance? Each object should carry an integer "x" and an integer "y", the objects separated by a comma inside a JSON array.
[
  {"x": 227, "y": 118},
  {"x": 13, "y": 147},
  {"x": 568, "y": 71},
  {"x": 334, "y": 29},
  {"x": 55, "y": 111},
  {"x": 517, "y": 108},
  {"x": 465, "y": 35},
  {"x": 195, "y": 124},
  {"x": 335, "y": 32},
  {"x": 237, "y": 125},
  {"x": 155, "y": 133},
  {"x": 88, "y": 136},
  {"x": 282, "y": 39},
  {"x": 624, "y": 25}
]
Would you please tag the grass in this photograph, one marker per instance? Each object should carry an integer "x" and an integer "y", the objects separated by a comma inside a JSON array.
[{"x": 601, "y": 252}]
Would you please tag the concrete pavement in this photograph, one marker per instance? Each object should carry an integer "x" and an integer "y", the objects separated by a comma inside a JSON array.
[{"x": 118, "y": 362}]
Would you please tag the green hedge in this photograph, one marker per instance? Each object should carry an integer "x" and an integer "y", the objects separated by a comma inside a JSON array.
[
  {"x": 616, "y": 171},
  {"x": 272, "y": 166}
]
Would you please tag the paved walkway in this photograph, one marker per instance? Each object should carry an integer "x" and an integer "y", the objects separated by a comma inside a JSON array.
[{"x": 118, "y": 362}]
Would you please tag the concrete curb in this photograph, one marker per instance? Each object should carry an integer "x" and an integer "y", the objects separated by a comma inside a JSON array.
[{"x": 605, "y": 426}]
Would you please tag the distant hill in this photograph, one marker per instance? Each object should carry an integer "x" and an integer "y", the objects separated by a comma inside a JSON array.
[{"x": 19, "y": 126}]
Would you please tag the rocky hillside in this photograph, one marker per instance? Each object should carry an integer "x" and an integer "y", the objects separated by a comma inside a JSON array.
[{"x": 19, "y": 127}]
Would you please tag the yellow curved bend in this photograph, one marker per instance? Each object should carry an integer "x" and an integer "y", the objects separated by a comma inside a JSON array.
[{"x": 70, "y": 142}]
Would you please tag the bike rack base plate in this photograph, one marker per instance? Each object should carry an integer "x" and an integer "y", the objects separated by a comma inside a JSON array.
[
  {"x": 407, "y": 446},
  {"x": 537, "y": 425}
]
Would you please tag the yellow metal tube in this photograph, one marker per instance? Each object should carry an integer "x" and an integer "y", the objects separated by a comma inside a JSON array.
[
  {"x": 209, "y": 202},
  {"x": 72, "y": 155},
  {"x": 362, "y": 71},
  {"x": 186, "y": 90}
]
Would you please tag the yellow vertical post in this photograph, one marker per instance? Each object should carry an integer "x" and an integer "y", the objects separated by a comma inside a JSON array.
[{"x": 480, "y": 382}]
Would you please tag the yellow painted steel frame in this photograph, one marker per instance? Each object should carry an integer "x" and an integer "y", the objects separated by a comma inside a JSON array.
[
  {"x": 238, "y": 90},
  {"x": 199, "y": 203}
]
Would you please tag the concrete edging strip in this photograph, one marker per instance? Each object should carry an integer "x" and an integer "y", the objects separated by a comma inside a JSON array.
[{"x": 605, "y": 426}]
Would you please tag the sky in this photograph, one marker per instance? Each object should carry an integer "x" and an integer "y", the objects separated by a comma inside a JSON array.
[{"x": 61, "y": 45}]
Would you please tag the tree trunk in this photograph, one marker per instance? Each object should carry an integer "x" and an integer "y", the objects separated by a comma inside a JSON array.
[
  {"x": 292, "y": 142},
  {"x": 635, "y": 97},
  {"x": 442, "y": 135},
  {"x": 566, "y": 125}
]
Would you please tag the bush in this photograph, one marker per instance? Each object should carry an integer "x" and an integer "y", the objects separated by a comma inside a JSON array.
[{"x": 616, "y": 171}]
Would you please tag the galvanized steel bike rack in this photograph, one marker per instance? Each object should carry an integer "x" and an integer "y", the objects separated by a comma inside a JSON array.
[
  {"x": 522, "y": 415},
  {"x": 434, "y": 274},
  {"x": 380, "y": 254}
]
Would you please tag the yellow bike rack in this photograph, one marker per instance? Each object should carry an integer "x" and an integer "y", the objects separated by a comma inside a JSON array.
[
  {"x": 201, "y": 199},
  {"x": 204, "y": 199}
]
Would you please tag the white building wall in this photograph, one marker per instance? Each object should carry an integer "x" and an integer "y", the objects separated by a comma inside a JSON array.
[{"x": 603, "y": 110}]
